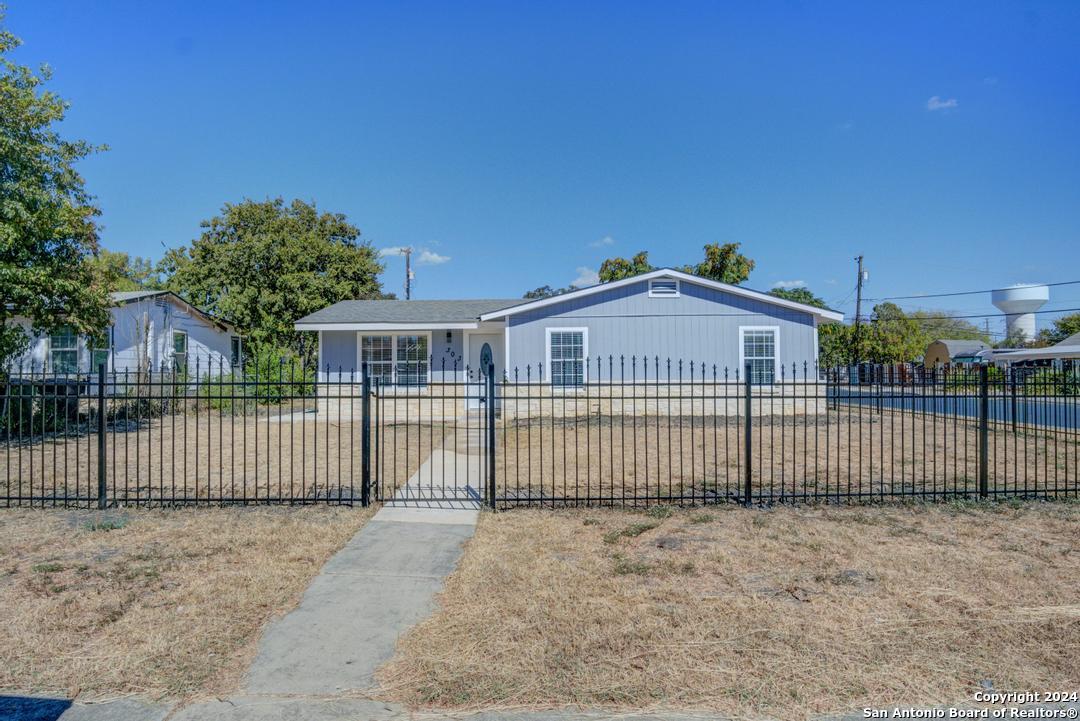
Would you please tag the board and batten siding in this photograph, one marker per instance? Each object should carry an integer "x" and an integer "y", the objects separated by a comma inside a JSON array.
[{"x": 700, "y": 325}]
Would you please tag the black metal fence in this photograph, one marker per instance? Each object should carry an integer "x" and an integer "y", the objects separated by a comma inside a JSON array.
[{"x": 647, "y": 432}]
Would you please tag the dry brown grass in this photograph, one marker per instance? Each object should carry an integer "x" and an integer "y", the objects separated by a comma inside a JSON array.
[
  {"x": 788, "y": 612},
  {"x": 211, "y": 457},
  {"x": 165, "y": 603},
  {"x": 618, "y": 459}
]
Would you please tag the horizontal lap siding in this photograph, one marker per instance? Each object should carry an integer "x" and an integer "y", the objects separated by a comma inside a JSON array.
[
  {"x": 701, "y": 325},
  {"x": 339, "y": 350}
]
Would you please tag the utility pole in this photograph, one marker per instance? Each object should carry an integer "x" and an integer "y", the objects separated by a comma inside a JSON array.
[
  {"x": 858, "y": 311},
  {"x": 408, "y": 273}
]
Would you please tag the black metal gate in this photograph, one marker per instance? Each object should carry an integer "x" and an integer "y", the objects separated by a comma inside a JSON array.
[{"x": 431, "y": 443}]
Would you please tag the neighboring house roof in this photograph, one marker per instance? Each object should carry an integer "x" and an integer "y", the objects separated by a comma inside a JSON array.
[
  {"x": 373, "y": 314},
  {"x": 962, "y": 348},
  {"x": 520, "y": 307},
  {"x": 1072, "y": 340},
  {"x": 123, "y": 297}
]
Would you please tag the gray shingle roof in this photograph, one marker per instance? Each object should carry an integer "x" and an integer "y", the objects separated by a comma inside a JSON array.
[
  {"x": 1072, "y": 340},
  {"x": 407, "y": 311}
]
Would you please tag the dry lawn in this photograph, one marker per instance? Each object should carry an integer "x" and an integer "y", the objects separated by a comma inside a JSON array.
[
  {"x": 614, "y": 460},
  {"x": 209, "y": 458},
  {"x": 788, "y": 612},
  {"x": 165, "y": 603}
]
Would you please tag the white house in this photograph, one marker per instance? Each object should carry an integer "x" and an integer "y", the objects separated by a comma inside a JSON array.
[{"x": 149, "y": 330}]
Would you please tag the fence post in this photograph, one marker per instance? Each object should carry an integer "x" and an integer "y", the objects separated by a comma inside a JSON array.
[
  {"x": 102, "y": 471},
  {"x": 748, "y": 437},
  {"x": 365, "y": 437},
  {"x": 491, "y": 434},
  {"x": 984, "y": 430}
]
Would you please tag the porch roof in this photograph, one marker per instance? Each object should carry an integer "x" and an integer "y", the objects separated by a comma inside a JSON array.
[{"x": 404, "y": 314}]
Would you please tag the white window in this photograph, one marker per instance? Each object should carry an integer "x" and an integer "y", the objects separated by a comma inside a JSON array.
[
  {"x": 412, "y": 360},
  {"x": 378, "y": 352},
  {"x": 396, "y": 359},
  {"x": 664, "y": 288},
  {"x": 567, "y": 349},
  {"x": 180, "y": 351},
  {"x": 101, "y": 350},
  {"x": 759, "y": 350},
  {"x": 64, "y": 350}
]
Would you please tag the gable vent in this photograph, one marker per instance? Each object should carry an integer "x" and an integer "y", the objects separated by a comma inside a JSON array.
[{"x": 664, "y": 288}]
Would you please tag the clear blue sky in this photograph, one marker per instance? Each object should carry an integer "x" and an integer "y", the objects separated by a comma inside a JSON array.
[{"x": 527, "y": 142}]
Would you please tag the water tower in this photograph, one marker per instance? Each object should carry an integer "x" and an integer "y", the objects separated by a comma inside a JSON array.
[{"x": 1019, "y": 304}]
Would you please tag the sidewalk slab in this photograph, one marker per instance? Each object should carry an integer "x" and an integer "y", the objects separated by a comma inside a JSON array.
[
  {"x": 279, "y": 709},
  {"x": 350, "y": 618}
]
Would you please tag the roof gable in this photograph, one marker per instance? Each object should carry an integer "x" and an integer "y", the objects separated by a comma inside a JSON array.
[{"x": 820, "y": 313}]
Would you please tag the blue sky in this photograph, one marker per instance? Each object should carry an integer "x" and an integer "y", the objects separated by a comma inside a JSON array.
[{"x": 519, "y": 144}]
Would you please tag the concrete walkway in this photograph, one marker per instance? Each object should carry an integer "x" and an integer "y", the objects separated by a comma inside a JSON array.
[{"x": 371, "y": 592}]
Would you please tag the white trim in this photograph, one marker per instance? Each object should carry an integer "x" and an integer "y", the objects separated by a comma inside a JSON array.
[
  {"x": 584, "y": 350},
  {"x": 389, "y": 327},
  {"x": 319, "y": 367},
  {"x": 506, "y": 349},
  {"x": 676, "y": 294},
  {"x": 394, "y": 346},
  {"x": 666, "y": 272},
  {"x": 776, "y": 347}
]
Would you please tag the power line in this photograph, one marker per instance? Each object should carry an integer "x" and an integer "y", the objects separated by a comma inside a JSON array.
[
  {"x": 984, "y": 315},
  {"x": 965, "y": 292}
]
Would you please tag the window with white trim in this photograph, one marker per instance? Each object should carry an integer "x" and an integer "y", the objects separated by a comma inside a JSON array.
[
  {"x": 101, "y": 350},
  {"x": 567, "y": 357},
  {"x": 64, "y": 350},
  {"x": 412, "y": 360},
  {"x": 396, "y": 359},
  {"x": 378, "y": 352},
  {"x": 664, "y": 288},
  {"x": 180, "y": 351},
  {"x": 759, "y": 350}
]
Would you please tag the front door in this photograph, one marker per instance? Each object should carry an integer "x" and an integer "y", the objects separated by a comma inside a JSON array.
[{"x": 485, "y": 349}]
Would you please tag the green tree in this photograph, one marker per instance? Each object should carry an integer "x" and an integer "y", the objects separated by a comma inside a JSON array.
[
  {"x": 723, "y": 263},
  {"x": 890, "y": 336},
  {"x": 1064, "y": 327},
  {"x": 264, "y": 264},
  {"x": 940, "y": 324},
  {"x": 119, "y": 271},
  {"x": 835, "y": 345},
  {"x": 619, "y": 268},
  {"x": 799, "y": 295},
  {"x": 545, "y": 291},
  {"x": 47, "y": 218}
]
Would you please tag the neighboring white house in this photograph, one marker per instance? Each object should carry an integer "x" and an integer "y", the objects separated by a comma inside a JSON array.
[{"x": 149, "y": 330}]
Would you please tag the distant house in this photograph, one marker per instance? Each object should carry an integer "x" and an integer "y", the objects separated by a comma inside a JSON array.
[
  {"x": 941, "y": 352},
  {"x": 148, "y": 330},
  {"x": 1068, "y": 349},
  {"x": 587, "y": 335}
]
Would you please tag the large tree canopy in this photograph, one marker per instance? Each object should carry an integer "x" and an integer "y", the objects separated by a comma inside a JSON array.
[
  {"x": 1063, "y": 327},
  {"x": 799, "y": 295},
  {"x": 619, "y": 268},
  {"x": 723, "y": 263},
  {"x": 120, "y": 271},
  {"x": 47, "y": 218},
  {"x": 265, "y": 264}
]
